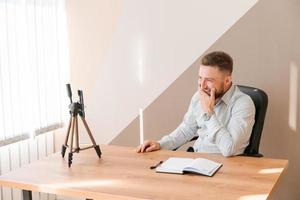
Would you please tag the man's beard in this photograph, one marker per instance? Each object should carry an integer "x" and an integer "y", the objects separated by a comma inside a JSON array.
[{"x": 218, "y": 93}]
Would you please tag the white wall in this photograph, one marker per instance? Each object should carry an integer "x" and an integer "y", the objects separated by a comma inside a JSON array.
[{"x": 124, "y": 54}]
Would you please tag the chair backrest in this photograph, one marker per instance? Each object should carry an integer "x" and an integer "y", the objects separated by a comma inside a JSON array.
[{"x": 260, "y": 100}]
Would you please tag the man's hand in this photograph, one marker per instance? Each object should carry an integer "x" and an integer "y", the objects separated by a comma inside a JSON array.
[
  {"x": 207, "y": 102},
  {"x": 148, "y": 146}
]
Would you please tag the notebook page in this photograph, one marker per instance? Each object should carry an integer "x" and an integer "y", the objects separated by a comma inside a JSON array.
[
  {"x": 204, "y": 165},
  {"x": 174, "y": 165}
]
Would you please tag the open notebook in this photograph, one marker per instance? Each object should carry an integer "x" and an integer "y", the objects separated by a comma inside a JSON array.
[{"x": 188, "y": 165}]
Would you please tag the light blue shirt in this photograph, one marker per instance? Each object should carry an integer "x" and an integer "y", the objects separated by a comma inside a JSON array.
[{"x": 227, "y": 131}]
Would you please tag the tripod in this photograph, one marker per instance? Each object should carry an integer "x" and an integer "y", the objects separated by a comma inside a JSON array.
[{"x": 76, "y": 109}]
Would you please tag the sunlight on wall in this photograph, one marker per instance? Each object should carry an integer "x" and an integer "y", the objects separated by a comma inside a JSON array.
[
  {"x": 293, "y": 96},
  {"x": 141, "y": 126}
]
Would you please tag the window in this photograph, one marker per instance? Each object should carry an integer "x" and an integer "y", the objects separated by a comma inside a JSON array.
[{"x": 33, "y": 67}]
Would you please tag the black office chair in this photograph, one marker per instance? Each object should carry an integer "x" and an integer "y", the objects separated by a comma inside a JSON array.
[{"x": 260, "y": 100}]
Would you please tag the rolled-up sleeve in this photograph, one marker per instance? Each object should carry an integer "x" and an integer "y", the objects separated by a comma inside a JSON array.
[
  {"x": 185, "y": 131},
  {"x": 234, "y": 136}
]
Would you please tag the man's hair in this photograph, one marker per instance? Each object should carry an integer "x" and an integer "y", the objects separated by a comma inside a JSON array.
[{"x": 218, "y": 59}]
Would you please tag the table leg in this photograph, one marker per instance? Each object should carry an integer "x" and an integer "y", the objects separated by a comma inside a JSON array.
[{"x": 27, "y": 195}]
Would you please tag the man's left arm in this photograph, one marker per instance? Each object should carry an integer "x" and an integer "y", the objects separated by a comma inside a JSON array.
[{"x": 233, "y": 137}]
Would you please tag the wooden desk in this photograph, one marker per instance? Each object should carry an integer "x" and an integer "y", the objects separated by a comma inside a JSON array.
[{"x": 124, "y": 174}]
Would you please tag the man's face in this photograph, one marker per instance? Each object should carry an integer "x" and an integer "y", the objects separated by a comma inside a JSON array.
[{"x": 211, "y": 77}]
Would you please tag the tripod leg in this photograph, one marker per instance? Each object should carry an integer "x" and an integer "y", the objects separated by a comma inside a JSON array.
[
  {"x": 68, "y": 132},
  {"x": 96, "y": 147},
  {"x": 65, "y": 145},
  {"x": 98, "y": 151},
  {"x": 63, "y": 150},
  {"x": 72, "y": 133},
  {"x": 71, "y": 145},
  {"x": 77, "y": 136},
  {"x": 70, "y": 158},
  {"x": 88, "y": 130}
]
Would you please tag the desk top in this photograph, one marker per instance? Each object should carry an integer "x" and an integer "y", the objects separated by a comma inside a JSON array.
[{"x": 122, "y": 173}]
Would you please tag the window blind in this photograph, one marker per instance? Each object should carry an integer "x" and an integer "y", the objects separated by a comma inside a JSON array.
[{"x": 33, "y": 67}]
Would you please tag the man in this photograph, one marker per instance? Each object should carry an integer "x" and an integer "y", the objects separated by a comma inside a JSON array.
[{"x": 219, "y": 113}]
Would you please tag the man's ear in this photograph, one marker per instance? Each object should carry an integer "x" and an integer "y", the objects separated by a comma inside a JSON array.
[{"x": 228, "y": 80}]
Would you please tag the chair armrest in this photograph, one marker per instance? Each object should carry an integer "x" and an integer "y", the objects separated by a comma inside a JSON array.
[{"x": 189, "y": 149}]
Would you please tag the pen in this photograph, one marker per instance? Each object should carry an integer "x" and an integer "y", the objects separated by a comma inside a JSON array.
[{"x": 154, "y": 166}]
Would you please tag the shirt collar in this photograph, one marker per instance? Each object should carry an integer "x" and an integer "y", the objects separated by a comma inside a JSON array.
[{"x": 227, "y": 96}]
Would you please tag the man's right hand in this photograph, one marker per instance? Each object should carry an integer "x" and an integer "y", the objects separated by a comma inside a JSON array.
[{"x": 148, "y": 146}]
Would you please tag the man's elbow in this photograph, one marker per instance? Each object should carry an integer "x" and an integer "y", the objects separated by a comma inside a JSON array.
[
  {"x": 228, "y": 151},
  {"x": 227, "y": 154}
]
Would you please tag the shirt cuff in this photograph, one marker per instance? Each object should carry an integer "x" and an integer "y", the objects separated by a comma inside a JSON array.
[{"x": 165, "y": 143}]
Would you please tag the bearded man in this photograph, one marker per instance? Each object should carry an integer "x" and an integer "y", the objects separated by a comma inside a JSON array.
[{"x": 219, "y": 113}]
